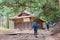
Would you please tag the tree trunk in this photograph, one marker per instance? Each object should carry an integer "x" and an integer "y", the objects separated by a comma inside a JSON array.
[
  {"x": 7, "y": 21},
  {"x": 0, "y": 21},
  {"x": 59, "y": 4}
]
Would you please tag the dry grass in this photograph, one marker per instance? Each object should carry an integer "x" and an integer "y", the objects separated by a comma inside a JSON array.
[{"x": 4, "y": 30}]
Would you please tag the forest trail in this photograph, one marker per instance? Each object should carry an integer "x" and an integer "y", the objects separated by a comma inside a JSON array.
[{"x": 28, "y": 35}]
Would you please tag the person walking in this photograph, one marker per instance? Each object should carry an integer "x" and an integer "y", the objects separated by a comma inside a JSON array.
[
  {"x": 35, "y": 26},
  {"x": 48, "y": 25}
]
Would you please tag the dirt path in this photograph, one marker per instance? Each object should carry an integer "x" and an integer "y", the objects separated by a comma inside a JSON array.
[
  {"x": 26, "y": 35},
  {"x": 42, "y": 35},
  {"x": 23, "y": 36}
]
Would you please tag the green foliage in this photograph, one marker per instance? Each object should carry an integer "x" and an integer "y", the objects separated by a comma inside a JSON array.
[
  {"x": 51, "y": 10},
  {"x": 46, "y": 9}
]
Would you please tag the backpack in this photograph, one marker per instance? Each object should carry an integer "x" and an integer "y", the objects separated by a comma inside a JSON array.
[{"x": 47, "y": 23}]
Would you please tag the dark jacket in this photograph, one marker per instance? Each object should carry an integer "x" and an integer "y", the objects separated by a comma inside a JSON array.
[{"x": 35, "y": 25}]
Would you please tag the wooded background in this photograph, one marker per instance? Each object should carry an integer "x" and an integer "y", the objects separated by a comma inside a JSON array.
[{"x": 44, "y": 9}]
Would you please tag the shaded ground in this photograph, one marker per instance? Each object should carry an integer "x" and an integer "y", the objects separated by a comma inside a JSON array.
[
  {"x": 28, "y": 35},
  {"x": 25, "y": 35},
  {"x": 21, "y": 37}
]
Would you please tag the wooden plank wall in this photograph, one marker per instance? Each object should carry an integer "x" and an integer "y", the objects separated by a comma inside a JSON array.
[
  {"x": 18, "y": 20},
  {"x": 23, "y": 25}
]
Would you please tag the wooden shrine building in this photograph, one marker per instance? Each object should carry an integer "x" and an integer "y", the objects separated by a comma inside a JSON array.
[{"x": 24, "y": 20}]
